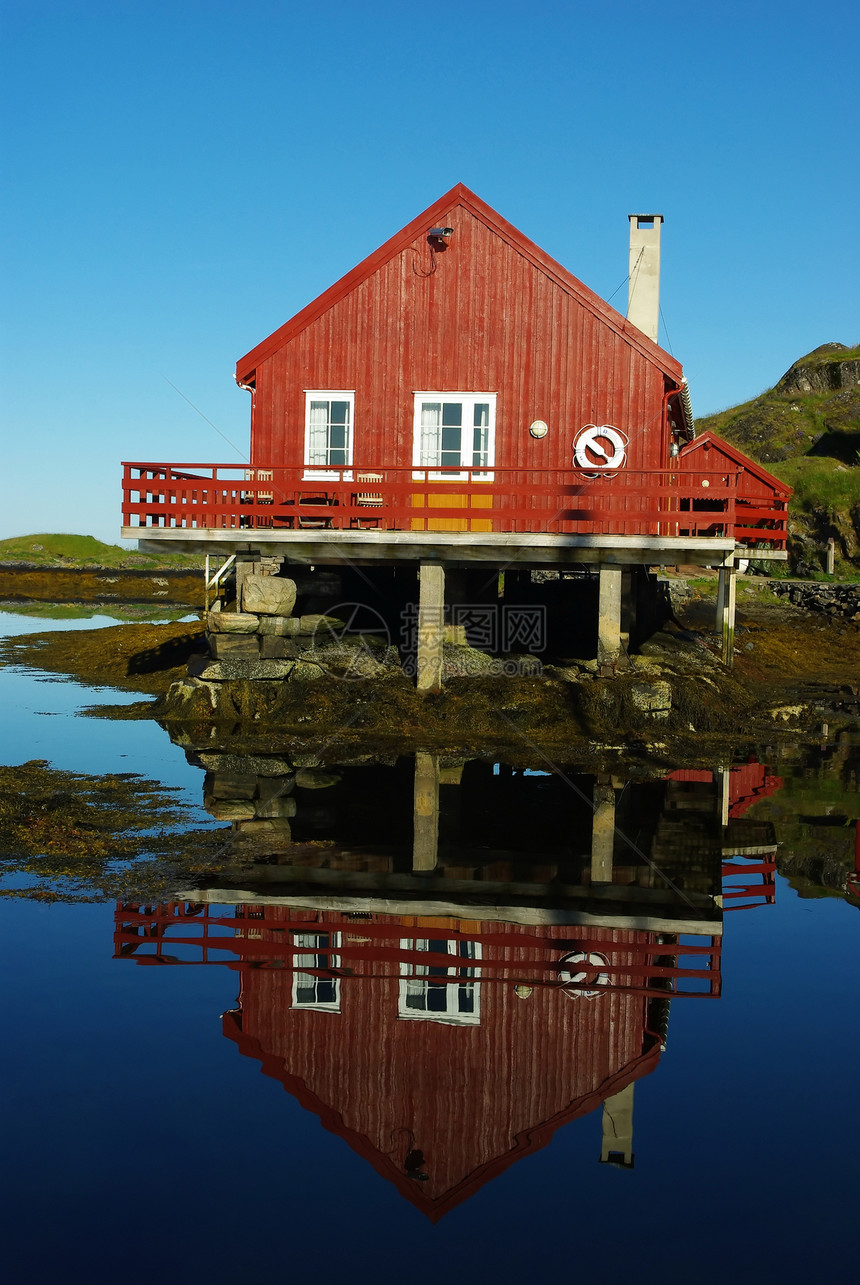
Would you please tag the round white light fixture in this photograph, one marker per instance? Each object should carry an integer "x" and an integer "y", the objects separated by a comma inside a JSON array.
[{"x": 538, "y": 428}]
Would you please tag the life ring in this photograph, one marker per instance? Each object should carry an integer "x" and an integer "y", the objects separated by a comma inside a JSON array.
[
  {"x": 591, "y": 438},
  {"x": 583, "y": 966}
]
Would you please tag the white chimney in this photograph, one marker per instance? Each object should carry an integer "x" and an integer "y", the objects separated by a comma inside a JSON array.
[{"x": 643, "y": 290}]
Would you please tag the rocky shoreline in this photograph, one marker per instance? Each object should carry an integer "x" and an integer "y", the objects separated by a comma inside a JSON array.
[{"x": 267, "y": 676}]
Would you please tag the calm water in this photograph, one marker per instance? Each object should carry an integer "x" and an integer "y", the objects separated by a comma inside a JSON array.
[{"x": 406, "y": 1039}]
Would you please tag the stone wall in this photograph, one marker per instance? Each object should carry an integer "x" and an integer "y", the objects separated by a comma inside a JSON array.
[{"x": 841, "y": 600}]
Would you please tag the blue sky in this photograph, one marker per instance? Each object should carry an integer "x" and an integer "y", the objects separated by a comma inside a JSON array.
[{"x": 181, "y": 178}]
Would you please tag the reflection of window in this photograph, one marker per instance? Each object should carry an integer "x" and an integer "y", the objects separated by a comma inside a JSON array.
[
  {"x": 440, "y": 992},
  {"x": 313, "y": 985},
  {"x": 454, "y": 430},
  {"x": 328, "y": 429}
]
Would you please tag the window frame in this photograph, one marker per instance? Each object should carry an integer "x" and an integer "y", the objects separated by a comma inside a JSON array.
[
  {"x": 320, "y": 472},
  {"x": 468, "y": 400},
  {"x": 464, "y": 966},
  {"x": 309, "y": 954}
]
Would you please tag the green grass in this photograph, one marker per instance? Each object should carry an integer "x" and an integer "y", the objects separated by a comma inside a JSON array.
[
  {"x": 811, "y": 440},
  {"x": 820, "y": 483},
  {"x": 86, "y": 551}
]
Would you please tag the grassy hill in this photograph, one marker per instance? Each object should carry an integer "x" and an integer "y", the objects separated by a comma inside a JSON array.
[
  {"x": 806, "y": 430},
  {"x": 86, "y": 551}
]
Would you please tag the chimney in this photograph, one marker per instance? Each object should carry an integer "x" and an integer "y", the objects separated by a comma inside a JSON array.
[{"x": 643, "y": 291}]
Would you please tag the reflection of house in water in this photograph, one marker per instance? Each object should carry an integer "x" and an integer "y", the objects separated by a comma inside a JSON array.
[{"x": 445, "y": 985}]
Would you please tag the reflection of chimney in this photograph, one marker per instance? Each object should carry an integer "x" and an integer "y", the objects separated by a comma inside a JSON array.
[
  {"x": 617, "y": 1145},
  {"x": 643, "y": 290}
]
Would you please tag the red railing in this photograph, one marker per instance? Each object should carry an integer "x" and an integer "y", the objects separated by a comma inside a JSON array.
[
  {"x": 507, "y": 500},
  {"x": 658, "y": 965}
]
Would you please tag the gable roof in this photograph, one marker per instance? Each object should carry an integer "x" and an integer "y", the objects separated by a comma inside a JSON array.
[
  {"x": 458, "y": 195},
  {"x": 527, "y": 1141},
  {"x": 737, "y": 457}
]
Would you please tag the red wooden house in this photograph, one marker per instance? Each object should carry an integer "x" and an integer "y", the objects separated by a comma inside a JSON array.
[
  {"x": 459, "y": 396},
  {"x": 442, "y": 1050}
]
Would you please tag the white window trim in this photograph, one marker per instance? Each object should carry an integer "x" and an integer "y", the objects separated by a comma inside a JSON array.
[
  {"x": 468, "y": 400},
  {"x": 328, "y": 473},
  {"x": 327, "y": 1006},
  {"x": 411, "y": 972}
]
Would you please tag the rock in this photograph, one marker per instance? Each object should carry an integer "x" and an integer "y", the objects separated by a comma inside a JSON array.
[
  {"x": 228, "y": 809},
  {"x": 461, "y": 662},
  {"x": 278, "y": 626},
  {"x": 654, "y": 699},
  {"x": 308, "y": 778},
  {"x": 225, "y": 671},
  {"x": 253, "y": 765},
  {"x": 268, "y": 595},
  {"x": 230, "y": 785},
  {"x": 188, "y": 690},
  {"x": 274, "y": 648},
  {"x": 521, "y": 665},
  {"x": 235, "y": 646},
  {"x": 271, "y": 787},
  {"x": 304, "y": 671},
  {"x": 786, "y": 713},
  {"x": 232, "y": 622},
  {"x": 816, "y": 374},
  {"x": 262, "y": 830},
  {"x": 326, "y": 626},
  {"x": 275, "y": 807},
  {"x": 355, "y": 657}
]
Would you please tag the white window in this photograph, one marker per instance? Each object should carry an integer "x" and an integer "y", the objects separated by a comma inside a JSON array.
[
  {"x": 314, "y": 983},
  {"x": 438, "y": 992},
  {"x": 454, "y": 430},
  {"x": 328, "y": 432}
]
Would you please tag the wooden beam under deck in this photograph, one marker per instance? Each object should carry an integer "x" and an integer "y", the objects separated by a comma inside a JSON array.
[{"x": 460, "y": 548}]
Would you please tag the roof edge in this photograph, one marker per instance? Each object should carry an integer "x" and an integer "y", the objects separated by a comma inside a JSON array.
[
  {"x": 461, "y": 195},
  {"x": 739, "y": 456}
]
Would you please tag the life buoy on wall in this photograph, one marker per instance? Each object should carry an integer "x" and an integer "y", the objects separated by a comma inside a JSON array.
[
  {"x": 583, "y": 966},
  {"x": 591, "y": 447}
]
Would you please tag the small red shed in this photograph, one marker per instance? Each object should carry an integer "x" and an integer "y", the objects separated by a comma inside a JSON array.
[{"x": 757, "y": 510}]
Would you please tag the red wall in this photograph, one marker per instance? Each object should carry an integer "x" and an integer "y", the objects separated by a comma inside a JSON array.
[
  {"x": 472, "y": 1098},
  {"x": 488, "y": 319}
]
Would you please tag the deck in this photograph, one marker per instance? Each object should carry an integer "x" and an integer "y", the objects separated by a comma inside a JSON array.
[{"x": 546, "y": 515}]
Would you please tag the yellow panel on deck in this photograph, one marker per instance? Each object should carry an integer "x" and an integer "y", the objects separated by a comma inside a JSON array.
[{"x": 448, "y": 500}]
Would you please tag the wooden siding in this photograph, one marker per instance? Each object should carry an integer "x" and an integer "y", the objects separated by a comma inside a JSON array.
[
  {"x": 479, "y": 316},
  {"x": 472, "y": 1098}
]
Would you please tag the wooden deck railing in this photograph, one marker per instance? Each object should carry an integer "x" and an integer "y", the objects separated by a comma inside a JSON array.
[
  {"x": 250, "y": 938},
  {"x": 511, "y": 500}
]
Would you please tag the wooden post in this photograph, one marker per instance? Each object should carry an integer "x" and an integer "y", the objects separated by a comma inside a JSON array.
[
  {"x": 602, "y": 832},
  {"x": 431, "y": 620},
  {"x": 725, "y": 778},
  {"x": 425, "y": 835},
  {"x": 246, "y": 565},
  {"x": 721, "y": 600},
  {"x": 831, "y": 555},
  {"x": 728, "y": 621},
  {"x": 609, "y": 616}
]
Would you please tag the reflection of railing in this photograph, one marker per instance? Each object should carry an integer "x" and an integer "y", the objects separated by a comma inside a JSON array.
[
  {"x": 508, "y": 500},
  {"x": 661, "y": 965},
  {"x": 758, "y": 880}
]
